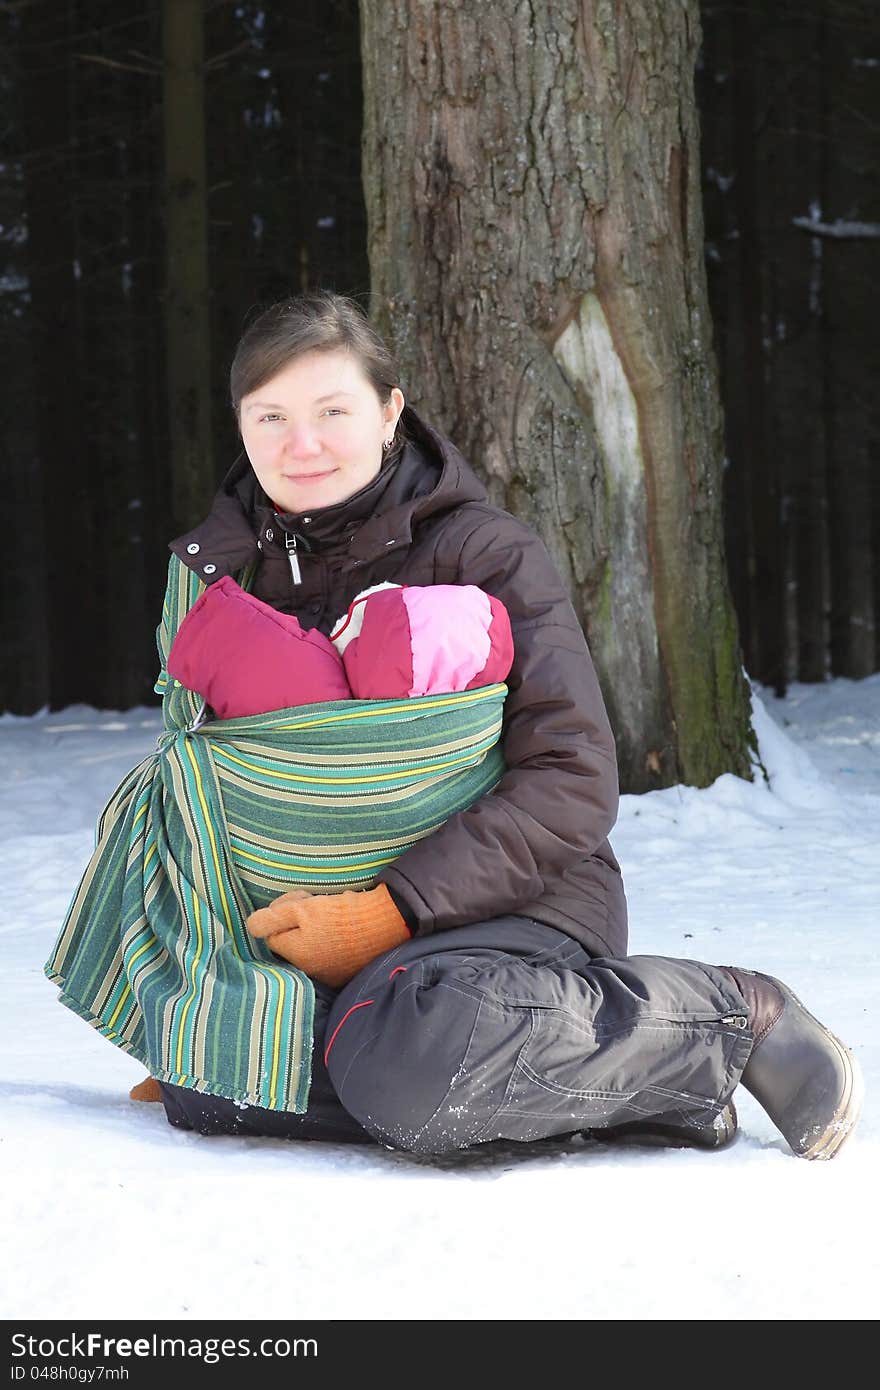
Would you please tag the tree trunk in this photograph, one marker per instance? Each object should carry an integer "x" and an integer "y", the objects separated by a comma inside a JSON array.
[
  {"x": 535, "y": 236},
  {"x": 61, "y": 529},
  {"x": 187, "y": 340},
  {"x": 849, "y": 343},
  {"x": 24, "y": 655},
  {"x": 801, "y": 384}
]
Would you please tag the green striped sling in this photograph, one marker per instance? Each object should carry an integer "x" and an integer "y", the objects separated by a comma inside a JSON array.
[{"x": 219, "y": 820}]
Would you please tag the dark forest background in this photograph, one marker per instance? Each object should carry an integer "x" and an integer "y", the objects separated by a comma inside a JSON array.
[{"x": 789, "y": 99}]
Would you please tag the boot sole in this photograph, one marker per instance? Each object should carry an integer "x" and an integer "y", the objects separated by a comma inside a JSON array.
[{"x": 847, "y": 1114}]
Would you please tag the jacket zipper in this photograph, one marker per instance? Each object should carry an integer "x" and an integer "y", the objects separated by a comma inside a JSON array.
[{"x": 290, "y": 545}]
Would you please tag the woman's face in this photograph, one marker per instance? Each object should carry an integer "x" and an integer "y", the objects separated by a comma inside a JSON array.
[{"x": 314, "y": 432}]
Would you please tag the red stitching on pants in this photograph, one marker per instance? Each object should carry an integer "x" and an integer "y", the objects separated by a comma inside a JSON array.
[{"x": 361, "y": 1005}]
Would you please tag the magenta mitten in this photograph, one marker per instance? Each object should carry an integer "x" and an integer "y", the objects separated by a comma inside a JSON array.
[
  {"x": 245, "y": 657},
  {"x": 406, "y": 639}
]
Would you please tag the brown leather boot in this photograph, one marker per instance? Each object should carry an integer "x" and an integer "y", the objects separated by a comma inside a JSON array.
[{"x": 808, "y": 1082}]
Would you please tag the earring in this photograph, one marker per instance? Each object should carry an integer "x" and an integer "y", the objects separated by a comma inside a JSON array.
[{"x": 386, "y": 444}]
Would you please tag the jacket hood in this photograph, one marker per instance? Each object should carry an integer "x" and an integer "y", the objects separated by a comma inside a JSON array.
[{"x": 428, "y": 477}]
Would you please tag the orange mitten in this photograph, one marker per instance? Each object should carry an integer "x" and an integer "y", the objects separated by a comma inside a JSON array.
[{"x": 330, "y": 936}]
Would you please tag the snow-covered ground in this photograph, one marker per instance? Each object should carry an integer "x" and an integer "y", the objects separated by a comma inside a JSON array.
[{"x": 107, "y": 1211}]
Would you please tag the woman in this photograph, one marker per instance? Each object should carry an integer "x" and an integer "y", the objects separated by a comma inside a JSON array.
[{"x": 480, "y": 989}]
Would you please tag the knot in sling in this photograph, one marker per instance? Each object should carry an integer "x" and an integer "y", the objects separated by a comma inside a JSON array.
[{"x": 219, "y": 820}]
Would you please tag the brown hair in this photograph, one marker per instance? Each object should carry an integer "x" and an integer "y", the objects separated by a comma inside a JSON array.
[{"x": 320, "y": 321}]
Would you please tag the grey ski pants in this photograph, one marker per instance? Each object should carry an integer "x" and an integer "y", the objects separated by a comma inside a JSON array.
[{"x": 506, "y": 1029}]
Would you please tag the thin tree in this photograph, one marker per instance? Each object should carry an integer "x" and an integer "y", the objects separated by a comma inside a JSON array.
[
  {"x": 61, "y": 523},
  {"x": 187, "y": 316}
]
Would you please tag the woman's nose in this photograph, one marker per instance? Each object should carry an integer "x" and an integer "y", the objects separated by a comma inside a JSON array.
[{"x": 301, "y": 440}]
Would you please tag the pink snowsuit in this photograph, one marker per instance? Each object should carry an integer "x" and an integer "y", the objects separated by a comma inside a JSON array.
[{"x": 395, "y": 641}]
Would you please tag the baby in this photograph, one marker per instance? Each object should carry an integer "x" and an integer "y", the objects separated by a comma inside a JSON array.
[{"x": 396, "y": 641}]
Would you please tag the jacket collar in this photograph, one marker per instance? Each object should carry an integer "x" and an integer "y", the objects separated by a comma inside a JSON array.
[
  {"x": 323, "y": 527},
  {"x": 429, "y": 476}
]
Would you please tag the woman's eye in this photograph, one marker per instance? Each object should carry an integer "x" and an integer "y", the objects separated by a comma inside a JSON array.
[{"x": 331, "y": 410}]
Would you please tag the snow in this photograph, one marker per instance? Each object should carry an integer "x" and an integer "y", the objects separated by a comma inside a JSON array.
[{"x": 109, "y": 1211}]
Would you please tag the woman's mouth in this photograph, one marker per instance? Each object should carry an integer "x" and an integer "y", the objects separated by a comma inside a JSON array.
[{"x": 307, "y": 477}]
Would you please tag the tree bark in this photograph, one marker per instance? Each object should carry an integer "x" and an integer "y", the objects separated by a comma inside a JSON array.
[
  {"x": 187, "y": 340},
  {"x": 531, "y": 176}
]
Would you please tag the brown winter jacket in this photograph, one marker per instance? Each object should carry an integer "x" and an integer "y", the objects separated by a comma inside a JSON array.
[{"x": 537, "y": 844}]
